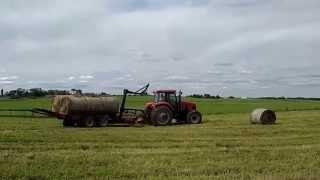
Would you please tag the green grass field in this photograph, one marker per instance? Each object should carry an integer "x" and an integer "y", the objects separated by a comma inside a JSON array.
[
  {"x": 206, "y": 106},
  {"x": 225, "y": 146}
]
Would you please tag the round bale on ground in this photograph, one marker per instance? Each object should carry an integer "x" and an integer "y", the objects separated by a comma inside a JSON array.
[{"x": 263, "y": 116}]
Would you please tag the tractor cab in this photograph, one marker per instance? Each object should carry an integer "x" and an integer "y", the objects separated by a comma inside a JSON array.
[
  {"x": 167, "y": 96},
  {"x": 168, "y": 105}
]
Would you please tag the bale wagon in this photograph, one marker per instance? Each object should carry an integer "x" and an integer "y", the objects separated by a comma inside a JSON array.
[{"x": 97, "y": 111}]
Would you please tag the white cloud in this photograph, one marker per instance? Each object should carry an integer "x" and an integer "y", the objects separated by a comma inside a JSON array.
[
  {"x": 83, "y": 81},
  {"x": 71, "y": 78},
  {"x": 6, "y": 82},
  {"x": 243, "y": 71},
  {"x": 8, "y": 78},
  {"x": 86, "y": 77},
  {"x": 177, "y": 78}
]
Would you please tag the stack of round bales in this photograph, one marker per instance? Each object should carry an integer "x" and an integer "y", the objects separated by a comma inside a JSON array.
[
  {"x": 68, "y": 105},
  {"x": 263, "y": 116}
]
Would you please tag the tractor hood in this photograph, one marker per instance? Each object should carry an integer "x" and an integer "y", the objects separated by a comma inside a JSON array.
[{"x": 189, "y": 105}]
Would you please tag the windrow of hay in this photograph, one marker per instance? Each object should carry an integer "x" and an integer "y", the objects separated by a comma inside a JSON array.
[
  {"x": 263, "y": 116},
  {"x": 72, "y": 105}
]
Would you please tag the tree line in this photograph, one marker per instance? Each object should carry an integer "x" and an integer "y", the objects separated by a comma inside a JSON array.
[
  {"x": 39, "y": 92},
  {"x": 208, "y": 96}
]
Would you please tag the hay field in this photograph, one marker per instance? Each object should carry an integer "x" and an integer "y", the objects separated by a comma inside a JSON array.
[{"x": 225, "y": 146}]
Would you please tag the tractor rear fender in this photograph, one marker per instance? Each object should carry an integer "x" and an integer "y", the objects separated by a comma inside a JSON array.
[
  {"x": 148, "y": 105},
  {"x": 165, "y": 104}
]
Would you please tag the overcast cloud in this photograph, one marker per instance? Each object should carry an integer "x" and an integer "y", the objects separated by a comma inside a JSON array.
[{"x": 227, "y": 47}]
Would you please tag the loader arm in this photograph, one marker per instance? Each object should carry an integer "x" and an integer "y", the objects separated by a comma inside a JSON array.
[{"x": 142, "y": 91}]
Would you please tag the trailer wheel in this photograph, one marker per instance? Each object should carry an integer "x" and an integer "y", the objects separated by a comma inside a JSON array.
[
  {"x": 161, "y": 116},
  {"x": 103, "y": 121},
  {"x": 67, "y": 122},
  {"x": 88, "y": 121},
  {"x": 147, "y": 112},
  {"x": 194, "y": 117}
]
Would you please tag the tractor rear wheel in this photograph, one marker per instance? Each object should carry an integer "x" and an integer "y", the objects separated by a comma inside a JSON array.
[
  {"x": 161, "y": 116},
  {"x": 194, "y": 117}
]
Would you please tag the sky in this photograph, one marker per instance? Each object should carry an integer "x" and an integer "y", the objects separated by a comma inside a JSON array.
[{"x": 226, "y": 47}]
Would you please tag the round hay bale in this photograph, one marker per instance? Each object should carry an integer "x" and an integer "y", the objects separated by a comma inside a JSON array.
[
  {"x": 263, "y": 116},
  {"x": 74, "y": 105}
]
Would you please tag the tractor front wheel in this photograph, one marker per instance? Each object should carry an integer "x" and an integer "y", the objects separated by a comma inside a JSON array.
[
  {"x": 161, "y": 116},
  {"x": 194, "y": 117}
]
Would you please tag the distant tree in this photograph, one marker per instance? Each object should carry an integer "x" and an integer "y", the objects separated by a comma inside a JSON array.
[
  {"x": 21, "y": 92},
  {"x": 17, "y": 93},
  {"x": 103, "y": 94},
  {"x": 207, "y": 96},
  {"x": 76, "y": 91},
  {"x": 11, "y": 93},
  {"x": 231, "y": 97},
  {"x": 2, "y": 92},
  {"x": 196, "y": 95},
  {"x": 58, "y": 92},
  {"x": 37, "y": 92}
]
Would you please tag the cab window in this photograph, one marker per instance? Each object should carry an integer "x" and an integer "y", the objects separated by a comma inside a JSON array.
[
  {"x": 172, "y": 98},
  {"x": 159, "y": 97}
]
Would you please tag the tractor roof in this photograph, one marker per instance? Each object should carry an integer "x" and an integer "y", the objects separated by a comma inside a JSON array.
[{"x": 165, "y": 91}]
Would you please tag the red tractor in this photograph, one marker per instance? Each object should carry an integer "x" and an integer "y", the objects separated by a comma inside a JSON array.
[{"x": 167, "y": 105}]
